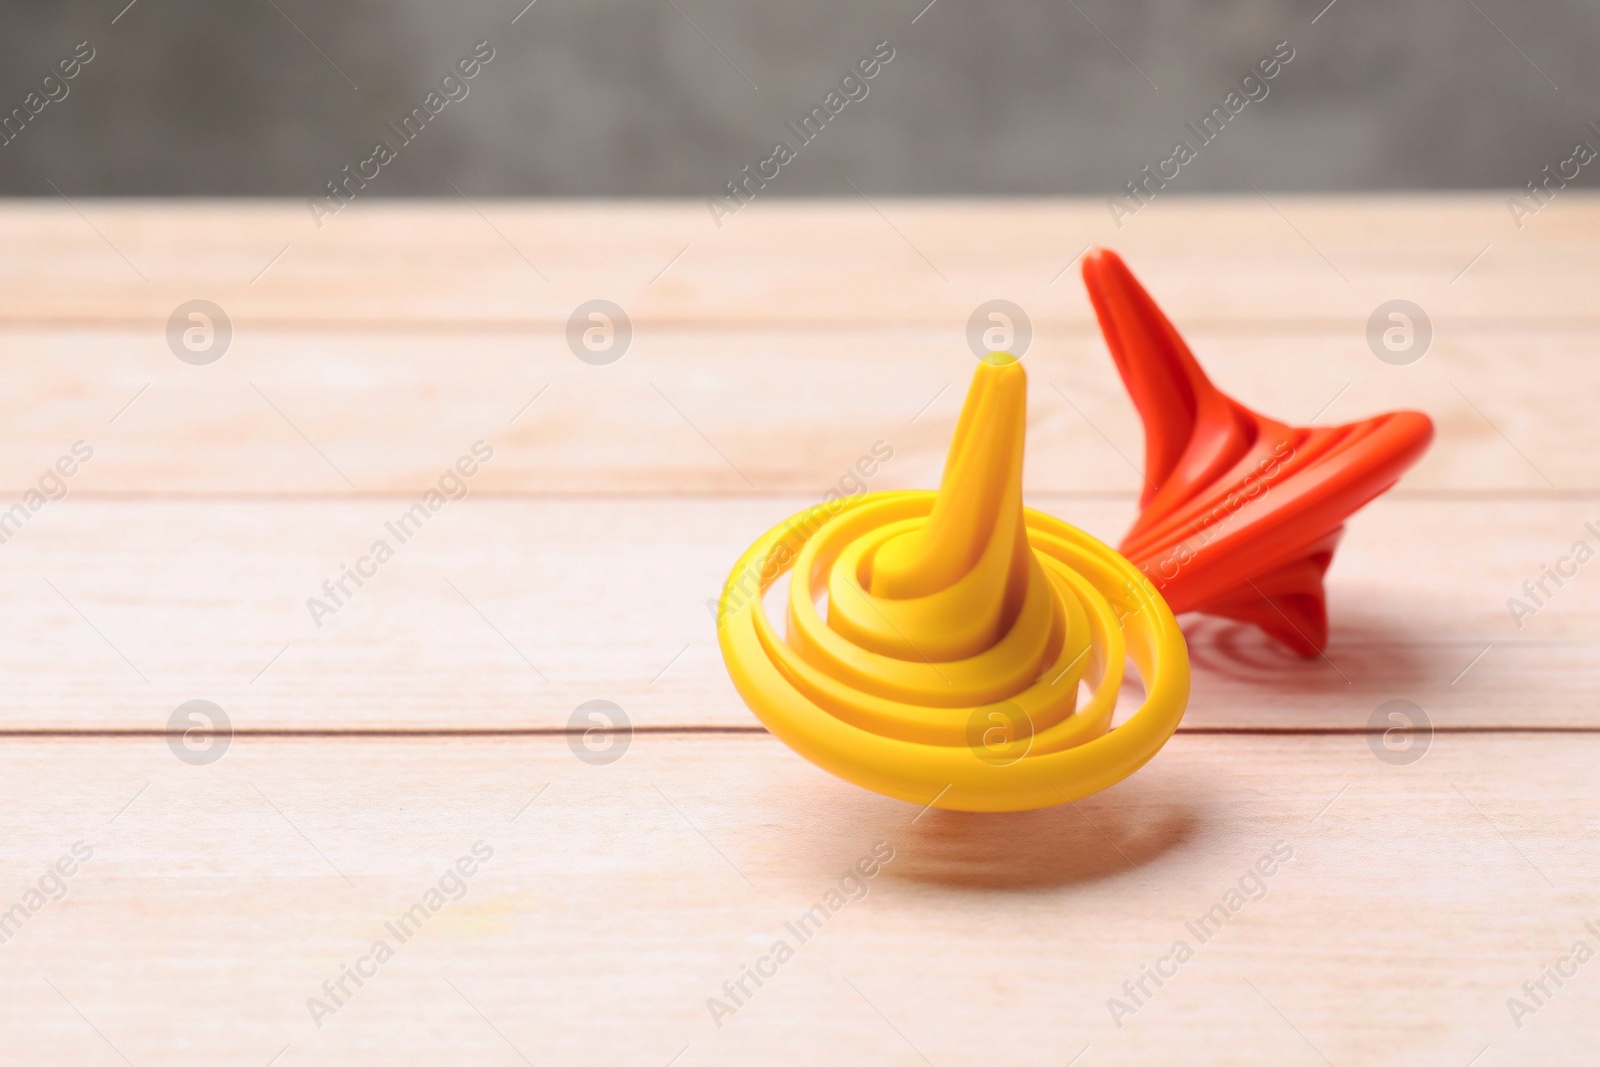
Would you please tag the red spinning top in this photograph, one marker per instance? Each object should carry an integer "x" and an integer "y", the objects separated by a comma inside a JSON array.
[{"x": 1240, "y": 513}]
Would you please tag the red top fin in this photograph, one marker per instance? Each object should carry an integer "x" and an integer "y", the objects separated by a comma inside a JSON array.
[{"x": 1240, "y": 513}]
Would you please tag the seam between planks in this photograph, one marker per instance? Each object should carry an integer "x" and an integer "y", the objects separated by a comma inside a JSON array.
[{"x": 689, "y": 730}]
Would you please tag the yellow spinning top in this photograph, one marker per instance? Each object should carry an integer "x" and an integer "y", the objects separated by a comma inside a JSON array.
[{"x": 954, "y": 647}]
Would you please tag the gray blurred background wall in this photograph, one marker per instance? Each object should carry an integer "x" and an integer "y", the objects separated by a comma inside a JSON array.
[{"x": 673, "y": 97}]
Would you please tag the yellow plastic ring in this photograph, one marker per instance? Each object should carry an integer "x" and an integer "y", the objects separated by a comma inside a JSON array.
[{"x": 984, "y": 732}]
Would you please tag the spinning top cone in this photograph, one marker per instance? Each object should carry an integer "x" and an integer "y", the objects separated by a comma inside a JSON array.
[
  {"x": 1240, "y": 513},
  {"x": 955, "y": 648}
]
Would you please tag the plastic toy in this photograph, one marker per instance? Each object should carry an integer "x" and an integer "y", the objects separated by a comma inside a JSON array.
[
  {"x": 959, "y": 626},
  {"x": 1240, "y": 513}
]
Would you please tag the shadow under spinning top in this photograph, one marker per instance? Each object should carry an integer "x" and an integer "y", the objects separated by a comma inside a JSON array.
[{"x": 1240, "y": 513}]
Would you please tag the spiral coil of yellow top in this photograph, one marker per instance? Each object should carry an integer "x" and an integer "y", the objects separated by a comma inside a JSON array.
[{"x": 959, "y": 630}]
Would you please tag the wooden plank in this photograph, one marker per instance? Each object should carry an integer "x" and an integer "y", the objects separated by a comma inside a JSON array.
[
  {"x": 495, "y": 263},
  {"x": 731, "y": 411},
  {"x": 509, "y": 613},
  {"x": 769, "y": 357},
  {"x": 218, "y": 899}
]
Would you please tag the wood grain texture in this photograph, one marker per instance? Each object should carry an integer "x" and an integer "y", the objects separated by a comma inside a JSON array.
[
  {"x": 702, "y": 410},
  {"x": 218, "y": 900},
  {"x": 398, "y": 265},
  {"x": 769, "y": 357},
  {"x": 508, "y": 613}
]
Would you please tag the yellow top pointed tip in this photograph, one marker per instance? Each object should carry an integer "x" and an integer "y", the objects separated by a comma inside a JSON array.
[{"x": 976, "y": 522}]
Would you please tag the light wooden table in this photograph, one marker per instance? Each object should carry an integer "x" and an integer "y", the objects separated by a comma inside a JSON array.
[{"x": 430, "y": 712}]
